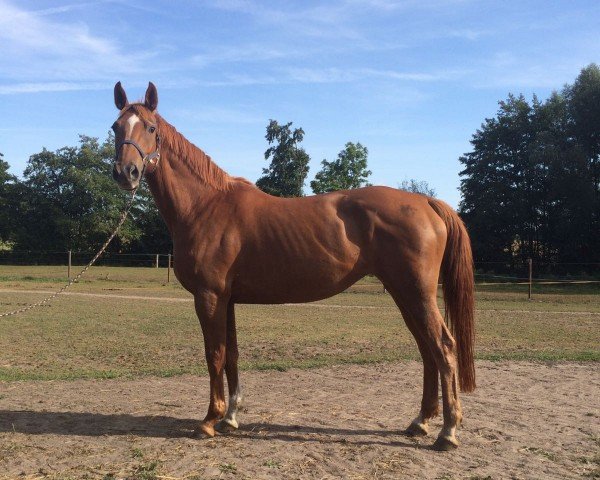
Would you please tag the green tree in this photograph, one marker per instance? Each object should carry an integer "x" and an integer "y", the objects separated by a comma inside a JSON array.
[
  {"x": 68, "y": 200},
  {"x": 417, "y": 186},
  {"x": 583, "y": 99},
  {"x": 7, "y": 192},
  {"x": 347, "y": 172},
  {"x": 498, "y": 191},
  {"x": 288, "y": 169},
  {"x": 530, "y": 184},
  {"x": 154, "y": 236}
]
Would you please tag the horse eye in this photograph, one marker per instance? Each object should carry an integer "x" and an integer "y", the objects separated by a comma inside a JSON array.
[
  {"x": 114, "y": 127},
  {"x": 152, "y": 129}
]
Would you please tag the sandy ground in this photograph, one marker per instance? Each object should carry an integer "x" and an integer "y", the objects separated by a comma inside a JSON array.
[{"x": 525, "y": 421}]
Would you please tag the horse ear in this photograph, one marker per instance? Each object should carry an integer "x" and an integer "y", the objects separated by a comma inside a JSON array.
[
  {"x": 151, "y": 100},
  {"x": 120, "y": 96}
]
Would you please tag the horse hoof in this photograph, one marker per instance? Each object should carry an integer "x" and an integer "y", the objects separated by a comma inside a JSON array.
[
  {"x": 226, "y": 425},
  {"x": 417, "y": 429},
  {"x": 445, "y": 444},
  {"x": 204, "y": 431}
]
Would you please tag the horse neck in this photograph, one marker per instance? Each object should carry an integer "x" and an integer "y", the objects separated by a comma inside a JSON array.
[{"x": 185, "y": 177}]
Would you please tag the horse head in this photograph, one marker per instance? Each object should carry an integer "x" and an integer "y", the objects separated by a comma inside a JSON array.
[{"x": 136, "y": 137}]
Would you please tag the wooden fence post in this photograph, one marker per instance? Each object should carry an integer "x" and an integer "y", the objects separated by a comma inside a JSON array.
[
  {"x": 69, "y": 267},
  {"x": 169, "y": 269},
  {"x": 157, "y": 260},
  {"x": 530, "y": 264}
]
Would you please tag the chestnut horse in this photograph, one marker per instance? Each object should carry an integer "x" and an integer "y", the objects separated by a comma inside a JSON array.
[{"x": 233, "y": 244}]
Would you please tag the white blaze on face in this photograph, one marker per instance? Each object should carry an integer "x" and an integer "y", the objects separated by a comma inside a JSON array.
[{"x": 131, "y": 121}]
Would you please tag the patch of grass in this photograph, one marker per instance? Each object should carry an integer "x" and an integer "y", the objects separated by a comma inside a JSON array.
[
  {"x": 228, "y": 467},
  {"x": 541, "y": 452},
  {"x": 541, "y": 288},
  {"x": 110, "y": 337},
  {"x": 145, "y": 471},
  {"x": 542, "y": 356},
  {"x": 137, "y": 453},
  {"x": 272, "y": 464},
  {"x": 10, "y": 447},
  {"x": 595, "y": 473}
]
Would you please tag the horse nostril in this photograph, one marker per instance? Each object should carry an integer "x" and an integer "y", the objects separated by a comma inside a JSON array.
[{"x": 131, "y": 172}]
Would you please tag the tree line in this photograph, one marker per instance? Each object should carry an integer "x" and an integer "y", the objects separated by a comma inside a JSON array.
[
  {"x": 531, "y": 184},
  {"x": 67, "y": 200}
]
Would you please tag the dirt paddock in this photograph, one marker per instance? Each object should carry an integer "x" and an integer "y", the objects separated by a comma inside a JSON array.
[{"x": 525, "y": 421}]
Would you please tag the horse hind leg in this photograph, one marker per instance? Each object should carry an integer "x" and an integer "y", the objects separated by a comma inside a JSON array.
[
  {"x": 429, "y": 402},
  {"x": 430, "y": 399},
  {"x": 443, "y": 347},
  {"x": 229, "y": 422},
  {"x": 438, "y": 349}
]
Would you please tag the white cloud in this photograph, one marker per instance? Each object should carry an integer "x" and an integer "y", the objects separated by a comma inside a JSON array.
[
  {"x": 241, "y": 80},
  {"x": 515, "y": 70},
  {"x": 324, "y": 20},
  {"x": 228, "y": 116},
  {"x": 239, "y": 53},
  {"x": 62, "y": 8},
  {"x": 468, "y": 34},
  {"x": 25, "y": 32},
  {"x": 67, "y": 55},
  {"x": 333, "y": 75},
  {"x": 49, "y": 87}
]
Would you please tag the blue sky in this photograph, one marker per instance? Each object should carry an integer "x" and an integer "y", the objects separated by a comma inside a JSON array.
[{"x": 410, "y": 79}]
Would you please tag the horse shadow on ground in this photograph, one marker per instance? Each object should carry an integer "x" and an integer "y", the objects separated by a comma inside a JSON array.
[{"x": 32, "y": 422}]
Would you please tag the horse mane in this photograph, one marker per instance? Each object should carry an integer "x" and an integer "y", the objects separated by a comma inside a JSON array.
[{"x": 198, "y": 162}]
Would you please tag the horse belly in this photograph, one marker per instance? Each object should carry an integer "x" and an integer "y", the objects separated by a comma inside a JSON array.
[{"x": 296, "y": 280}]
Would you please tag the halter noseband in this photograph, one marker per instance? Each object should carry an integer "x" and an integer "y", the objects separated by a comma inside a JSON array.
[{"x": 151, "y": 158}]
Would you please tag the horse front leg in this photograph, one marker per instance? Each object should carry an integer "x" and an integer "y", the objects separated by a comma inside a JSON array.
[
  {"x": 229, "y": 422},
  {"x": 212, "y": 313}
]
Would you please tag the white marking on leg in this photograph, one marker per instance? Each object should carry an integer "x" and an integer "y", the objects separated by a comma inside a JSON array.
[
  {"x": 229, "y": 422},
  {"x": 235, "y": 402},
  {"x": 419, "y": 426},
  {"x": 449, "y": 432},
  {"x": 446, "y": 440}
]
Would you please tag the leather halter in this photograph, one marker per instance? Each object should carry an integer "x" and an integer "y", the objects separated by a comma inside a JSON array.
[{"x": 151, "y": 158}]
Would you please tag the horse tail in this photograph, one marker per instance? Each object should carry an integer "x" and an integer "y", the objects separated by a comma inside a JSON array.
[{"x": 459, "y": 286}]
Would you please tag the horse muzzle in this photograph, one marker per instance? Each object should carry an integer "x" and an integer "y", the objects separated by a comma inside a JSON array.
[{"x": 127, "y": 176}]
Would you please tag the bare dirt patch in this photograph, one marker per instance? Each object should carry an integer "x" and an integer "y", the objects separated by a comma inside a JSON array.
[{"x": 525, "y": 421}]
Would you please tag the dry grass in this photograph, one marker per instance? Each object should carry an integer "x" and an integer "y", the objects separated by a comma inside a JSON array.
[{"x": 94, "y": 337}]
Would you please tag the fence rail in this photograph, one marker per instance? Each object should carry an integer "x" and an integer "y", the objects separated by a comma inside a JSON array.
[
  {"x": 486, "y": 273},
  {"x": 70, "y": 261},
  {"x": 109, "y": 259}
]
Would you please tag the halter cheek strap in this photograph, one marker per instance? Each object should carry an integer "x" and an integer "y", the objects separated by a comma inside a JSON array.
[{"x": 148, "y": 159}]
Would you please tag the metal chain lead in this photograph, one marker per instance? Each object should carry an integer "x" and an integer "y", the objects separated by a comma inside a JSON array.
[{"x": 85, "y": 269}]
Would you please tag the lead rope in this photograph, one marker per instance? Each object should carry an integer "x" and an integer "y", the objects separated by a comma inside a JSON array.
[{"x": 85, "y": 269}]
